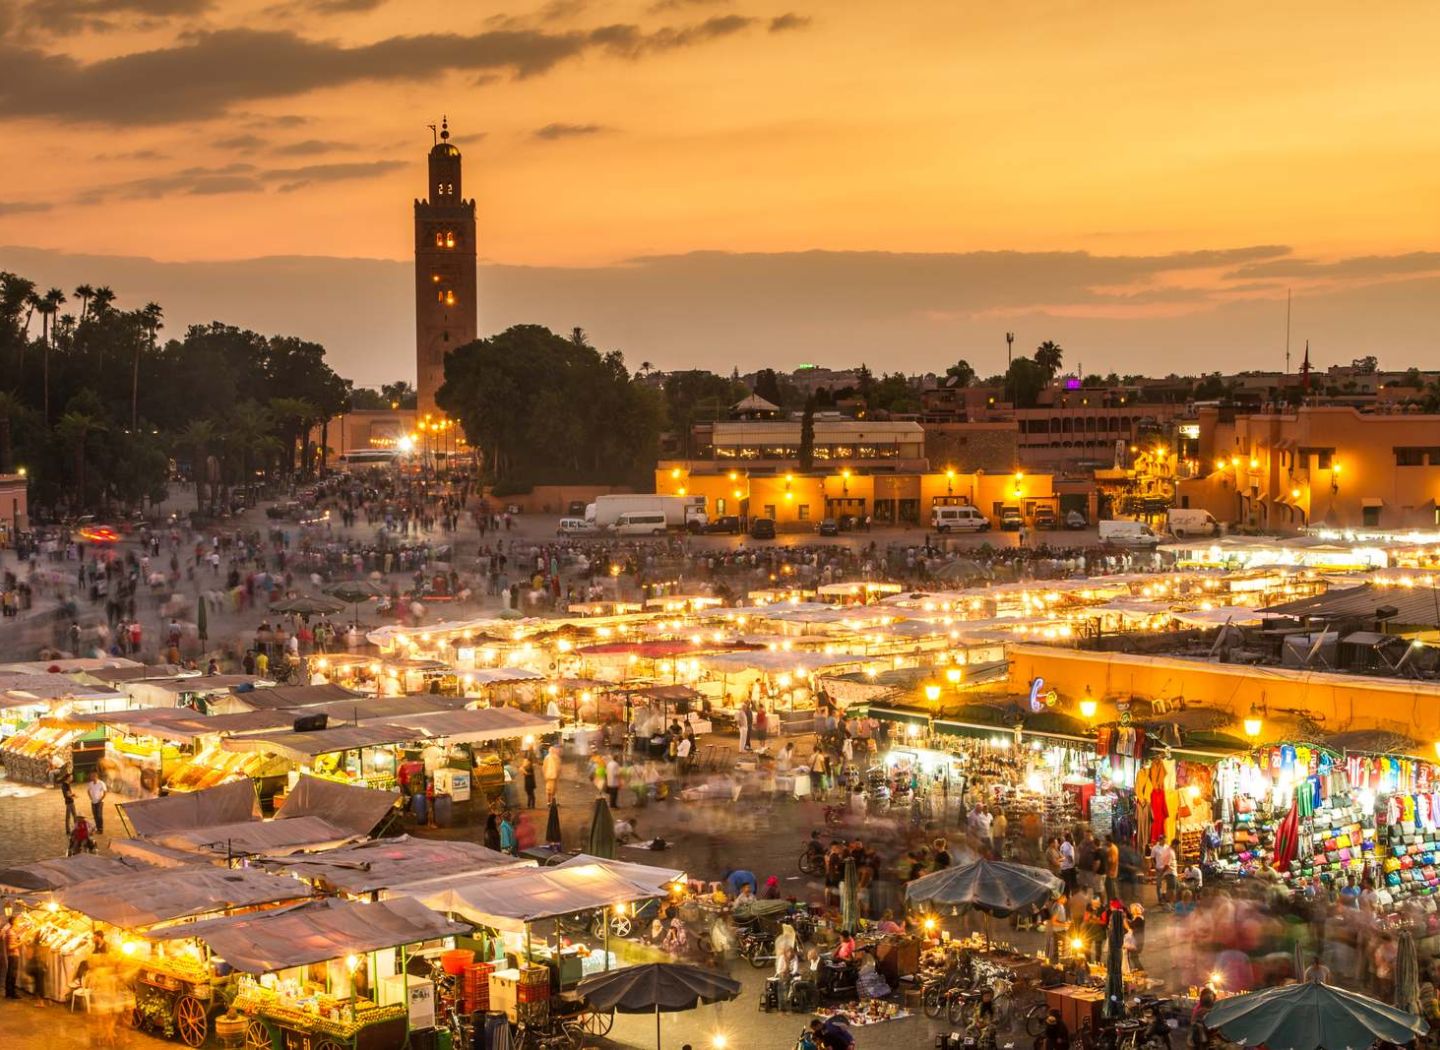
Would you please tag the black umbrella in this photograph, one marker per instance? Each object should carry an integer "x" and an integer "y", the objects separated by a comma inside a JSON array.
[
  {"x": 552, "y": 825},
  {"x": 992, "y": 886},
  {"x": 306, "y": 605},
  {"x": 355, "y": 592},
  {"x": 1311, "y": 1016},
  {"x": 602, "y": 831},
  {"x": 662, "y": 987},
  {"x": 1115, "y": 966}
]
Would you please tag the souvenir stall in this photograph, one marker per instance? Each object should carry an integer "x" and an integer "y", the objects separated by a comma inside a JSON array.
[
  {"x": 327, "y": 974},
  {"x": 1292, "y": 808}
]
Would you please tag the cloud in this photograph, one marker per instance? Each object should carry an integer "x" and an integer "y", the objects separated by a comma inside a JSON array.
[
  {"x": 239, "y": 143},
  {"x": 789, "y": 20},
  {"x": 134, "y": 154},
  {"x": 310, "y": 148},
  {"x": 59, "y": 17},
  {"x": 283, "y": 120},
  {"x": 24, "y": 207},
  {"x": 661, "y": 6},
  {"x": 206, "y": 74},
  {"x": 555, "y": 132},
  {"x": 333, "y": 7},
  {"x": 1356, "y": 266},
  {"x": 239, "y": 177}
]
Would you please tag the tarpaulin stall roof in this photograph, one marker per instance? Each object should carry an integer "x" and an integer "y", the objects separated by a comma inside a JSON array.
[
  {"x": 287, "y": 696},
  {"x": 302, "y": 747},
  {"x": 148, "y": 897},
  {"x": 212, "y": 807},
  {"x": 315, "y": 931},
  {"x": 383, "y": 863},
  {"x": 489, "y": 723},
  {"x": 345, "y": 806},
  {"x": 645, "y": 875},
  {"x": 53, "y": 687},
  {"x": 501, "y": 675},
  {"x": 163, "y": 692},
  {"x": 510, "y": 898},
  {"x": 253, "y": 837},
  {"x": 65, "y": 871}
]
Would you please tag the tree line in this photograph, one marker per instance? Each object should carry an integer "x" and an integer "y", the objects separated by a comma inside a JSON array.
[{"x": 102, "y": 413}]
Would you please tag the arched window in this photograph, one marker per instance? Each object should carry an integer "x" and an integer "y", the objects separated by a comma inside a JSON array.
[{"x": 444, "y": 238}]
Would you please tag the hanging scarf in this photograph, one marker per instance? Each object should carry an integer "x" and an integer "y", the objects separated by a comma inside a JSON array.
[{"x": 1287, "y": 838}]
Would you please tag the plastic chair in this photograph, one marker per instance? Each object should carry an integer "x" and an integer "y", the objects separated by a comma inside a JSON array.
[{"x": 80, "y": 993}]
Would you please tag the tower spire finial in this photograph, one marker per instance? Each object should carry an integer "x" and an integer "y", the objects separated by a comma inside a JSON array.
[{"x": 444, "y": 128}]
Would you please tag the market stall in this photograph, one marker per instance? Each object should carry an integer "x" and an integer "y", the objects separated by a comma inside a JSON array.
[
  {"x": 327, "y": 974},
  {"x": 47, "y": 745}
]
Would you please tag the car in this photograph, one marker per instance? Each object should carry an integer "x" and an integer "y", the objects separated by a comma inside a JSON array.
[
  {"x": 1045, "y": 517},
  {"x": 575, "y": 527},
  {"x": 762, "y": 529},
  {"x": 1011, "y": 520},
  {"x": 958, "y": 519},
  {"x": 1075, "y": 520},
  {"x": 728, "y": 524},
  {"x": 828, "y": 527}
]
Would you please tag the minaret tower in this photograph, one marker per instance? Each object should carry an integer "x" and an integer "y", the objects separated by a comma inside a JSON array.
[{"x": 445, "y": 298}]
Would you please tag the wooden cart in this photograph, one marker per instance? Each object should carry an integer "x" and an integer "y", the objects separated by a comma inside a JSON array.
[
  {"x": 179, "y": 1001},
  {"x": 274, "y": 1027}
]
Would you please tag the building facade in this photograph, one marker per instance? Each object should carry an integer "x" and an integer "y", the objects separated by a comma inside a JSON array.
[
  {"x": 1322, "y": 464},
  {"x": 445, "y": 291}
]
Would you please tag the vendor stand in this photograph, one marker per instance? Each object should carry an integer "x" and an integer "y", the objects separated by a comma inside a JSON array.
[
  {"x": 326, "y": 974},
  {"x": 49, "y": 744}
]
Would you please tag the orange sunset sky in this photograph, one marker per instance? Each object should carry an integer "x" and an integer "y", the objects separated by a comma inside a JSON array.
[{"x": 894, "y": 181}]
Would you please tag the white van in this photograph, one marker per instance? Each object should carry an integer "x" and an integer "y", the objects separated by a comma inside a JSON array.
[
  {"x": 575, "y": 527},
  {"x": 1128, "y": 534},
  {"x": 958, "y": 519},
  {"x": 640, "y": 523},
  {"x": 1184, "y": 522}
]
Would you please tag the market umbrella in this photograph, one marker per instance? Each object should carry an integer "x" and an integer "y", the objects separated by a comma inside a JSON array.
[
  {"x": 1311, "y": 1016},
  {"x": 1407, "y": 974},
  {"x": 306, "y": 605},
  {"x": 663, "y": 987},
  {"x": 602, "y": 831},
  {"x": 849, "y": 897},
  {"x": 993, "y": 886},
  {"x": 355, "y": 592},
  {"x": 552, "y": 825},
  {"x": 1115, "y": 965}
]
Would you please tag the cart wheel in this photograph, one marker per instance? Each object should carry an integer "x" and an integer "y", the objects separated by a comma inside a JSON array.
[
  {"x": 328, "y": 1044},
  {"x": 620, "y": 926},
  {"x": 190, "y": 1020},
  {"x": 257, "y": 1036},
  {"x": 598, "y": 1023}
]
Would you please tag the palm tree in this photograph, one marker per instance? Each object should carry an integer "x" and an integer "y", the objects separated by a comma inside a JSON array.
[
  {"x": 292, "y": 418},
  {"x": 84, "y": 293},
  {"x": 151, "y": 316},
  {"x": 49, "y": 307},
  {"x": 75, "y": 429},
  {"x": 196, "y": 438},
  {"x": 10, "y": 409},
  {"x": 104, "y": 300},
  {"x": 1049, "y": 355}
]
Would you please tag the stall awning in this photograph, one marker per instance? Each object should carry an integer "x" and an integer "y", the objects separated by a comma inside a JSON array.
[
  {"x": 646, "y": 875},
  {"x": 345, "y": 806},
  {"x": 510, "y": 898},
  {"x": 487, "y": 723},
  {"x": 145, "y": 898},
  {"x": 256, "y": 837},
  {"x": 314, "y": 932},
  {"x": 302, "y": 747},
  {"x": 287, "y": 696},
  {"x": 225, "y": 804},
  {"x": 501, "y": 675},
  {"x": 65, "y": 871},
  {"x": 384, "y": 863}
]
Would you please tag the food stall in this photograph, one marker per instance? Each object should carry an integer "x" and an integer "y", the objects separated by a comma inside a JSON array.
[
  {"x": 325, "y": 974},
  {"x": 49, "y": 744}
]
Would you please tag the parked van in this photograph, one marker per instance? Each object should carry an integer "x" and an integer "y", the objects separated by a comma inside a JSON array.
[
  {"x": 1128, "y": 534},
  {"x": 958, "y": 519},
  {"x": 575, "y": 527},
  {"x": 1184, "y": 522},
  {"x": 640, "y": 523}
]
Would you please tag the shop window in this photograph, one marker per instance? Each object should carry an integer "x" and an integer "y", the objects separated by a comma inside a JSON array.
[
  {"x": 802, "y": 512},
  {"x": 719, "y": 506},
  {"x": 1409, "y": 457},
  {"x": 769, "y": 509},
  {"x": 1370, "y": 517}
]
